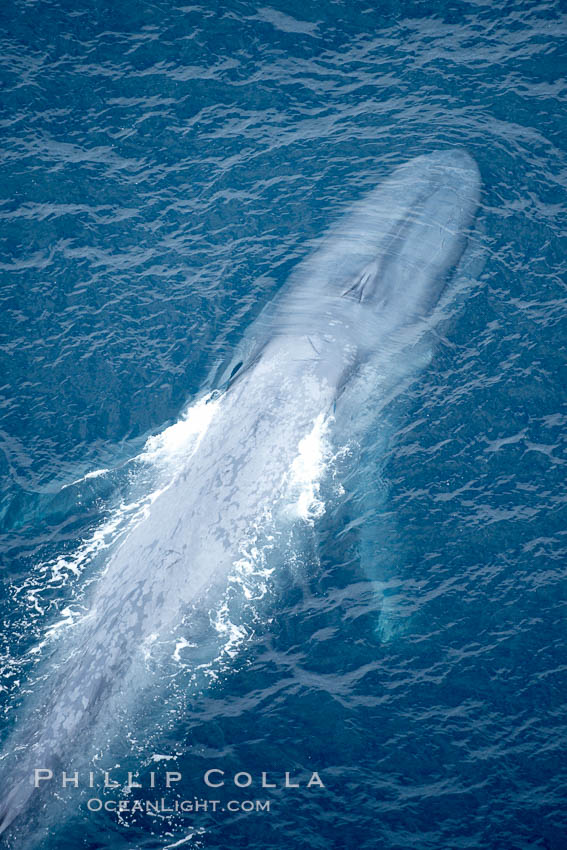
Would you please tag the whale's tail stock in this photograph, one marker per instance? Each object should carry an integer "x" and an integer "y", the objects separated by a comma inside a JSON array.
[
  {"x": 44, "y": 739},
  {"x": 14, "y": 802},
  {"x": 18, "y": 782}
]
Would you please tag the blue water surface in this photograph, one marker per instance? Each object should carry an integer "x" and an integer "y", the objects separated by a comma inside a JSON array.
[{"x": 164, "y": 168}]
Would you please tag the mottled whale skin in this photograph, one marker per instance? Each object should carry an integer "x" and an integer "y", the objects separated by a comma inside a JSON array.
[{"x": 380, "y": 270}]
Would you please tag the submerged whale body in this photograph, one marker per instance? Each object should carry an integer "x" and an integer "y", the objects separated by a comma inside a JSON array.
[{"x": 379, "y": 272}]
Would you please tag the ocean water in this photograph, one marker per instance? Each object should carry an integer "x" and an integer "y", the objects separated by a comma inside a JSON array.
[{"x": 164, "y": 168}]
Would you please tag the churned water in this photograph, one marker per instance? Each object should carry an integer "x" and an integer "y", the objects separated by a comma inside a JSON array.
[{"x": 164, "y": 168}]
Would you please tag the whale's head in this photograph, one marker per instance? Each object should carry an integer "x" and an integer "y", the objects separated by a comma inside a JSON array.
[
  {"x": 383, "y": 266},
  {"x": 418, "y": 220}
]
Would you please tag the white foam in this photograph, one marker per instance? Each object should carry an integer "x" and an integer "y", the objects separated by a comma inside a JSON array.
[
  {"x": 151, "y": 472},
  {"x": 180, "y": 441},
  {"x": 308, "y": 469},
  {"x": 187, "y": 838},
  {"x": 96, "y": 473}
]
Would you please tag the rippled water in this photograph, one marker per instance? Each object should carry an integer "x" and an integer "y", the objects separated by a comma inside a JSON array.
[{"x": 164, "y": 168}]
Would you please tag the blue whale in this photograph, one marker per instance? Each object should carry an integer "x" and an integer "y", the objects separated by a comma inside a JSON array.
[{"x": 376, "y": 278}]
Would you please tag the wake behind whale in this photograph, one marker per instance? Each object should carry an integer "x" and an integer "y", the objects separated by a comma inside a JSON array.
[{"x": 363, "y": 296}]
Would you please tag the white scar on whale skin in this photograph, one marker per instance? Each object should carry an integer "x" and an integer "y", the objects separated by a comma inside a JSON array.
[{"x": 373, "y": 282}]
